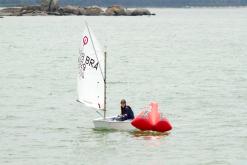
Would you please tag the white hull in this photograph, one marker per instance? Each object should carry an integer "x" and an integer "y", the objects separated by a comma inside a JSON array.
[{"x": 108, "y": 123}]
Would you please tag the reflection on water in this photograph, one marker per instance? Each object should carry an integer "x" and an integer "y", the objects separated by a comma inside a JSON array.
[
  {"x": 149, "y": 135},
  {"x": 103, "y": 131}
]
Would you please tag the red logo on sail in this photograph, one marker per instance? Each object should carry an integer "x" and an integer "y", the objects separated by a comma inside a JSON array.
[{"x": 85, "y": 40}]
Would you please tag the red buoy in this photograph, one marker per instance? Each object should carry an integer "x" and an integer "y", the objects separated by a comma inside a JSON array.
[
  {"x": 141, "y": 122},
  {"x": 152, "y": 120}
]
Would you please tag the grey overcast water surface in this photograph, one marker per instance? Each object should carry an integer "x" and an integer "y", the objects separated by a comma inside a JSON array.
[{"x": 193, "y": 62}]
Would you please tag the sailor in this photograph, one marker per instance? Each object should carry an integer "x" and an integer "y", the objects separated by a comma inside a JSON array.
[{"x": 126, "y": 112}]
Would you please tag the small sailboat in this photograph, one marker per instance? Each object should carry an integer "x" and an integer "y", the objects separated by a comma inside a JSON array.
[{"x": 91, "y": 81}]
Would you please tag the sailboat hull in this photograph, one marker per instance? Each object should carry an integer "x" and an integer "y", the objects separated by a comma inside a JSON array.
[{"x": 110, "y": 124}]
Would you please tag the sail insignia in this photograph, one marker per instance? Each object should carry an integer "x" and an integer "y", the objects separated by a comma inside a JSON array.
[{"x": 90, "y": 81}]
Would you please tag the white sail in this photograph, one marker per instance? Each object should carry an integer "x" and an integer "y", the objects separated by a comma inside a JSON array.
[{"x": 91, "y": 62}]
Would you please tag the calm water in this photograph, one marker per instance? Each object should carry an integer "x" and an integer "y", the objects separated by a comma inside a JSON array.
[{"x": 193, "y": 62}]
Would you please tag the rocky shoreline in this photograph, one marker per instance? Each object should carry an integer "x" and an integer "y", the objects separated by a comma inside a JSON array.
[{"x": 51, "y": 7}]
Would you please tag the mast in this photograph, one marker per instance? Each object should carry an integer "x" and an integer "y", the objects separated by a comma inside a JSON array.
[{"x": 105, "y": 85}]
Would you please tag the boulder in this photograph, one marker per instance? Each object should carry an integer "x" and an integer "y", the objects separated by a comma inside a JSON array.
[
  {"x": 82, "y": 11},
  {"x": 93, "y": 10},
  {"x": 128, "y": 12},
  {"x": 31, "y": 8},
  {"x": 34, "y": 13},
  {"x": 53, "y": 13},
  {"x": 26, "y": 10},
  {"x": 69, "y": 10},
  {"x": 12, "y": 11},
  {"x": 49, "y": 5},
  {"x": 140, "y": 12},
  {"x": 115, "y": 10}
]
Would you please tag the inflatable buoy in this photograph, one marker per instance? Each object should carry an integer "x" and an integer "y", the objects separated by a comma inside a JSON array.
[
  {"x": 141, "y": 122},
  {"x": 152, "y": 120},
  {"x": 163, "y": 125}
]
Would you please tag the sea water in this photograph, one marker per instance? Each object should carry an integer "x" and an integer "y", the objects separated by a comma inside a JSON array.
[{"x": 193, "y": 62}]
